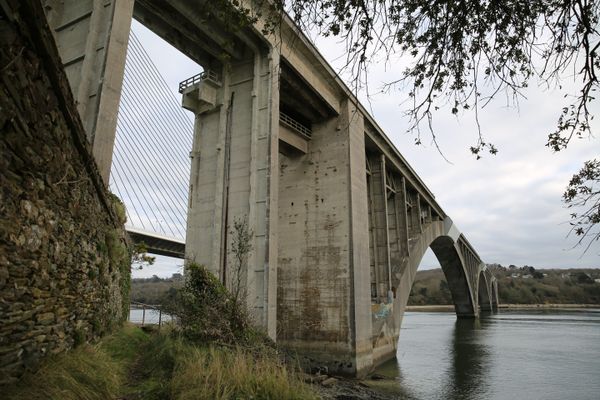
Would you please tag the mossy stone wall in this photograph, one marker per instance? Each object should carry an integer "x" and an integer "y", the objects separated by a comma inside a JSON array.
[{"x": 64, "y": 263}]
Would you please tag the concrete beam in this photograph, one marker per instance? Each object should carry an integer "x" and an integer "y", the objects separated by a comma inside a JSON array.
[
  {"x": 188, "y": 31},
  {"x": 92, "y": 40},
  {"x": 158, "y": 244},
  {"x": 299, "y": 96}
]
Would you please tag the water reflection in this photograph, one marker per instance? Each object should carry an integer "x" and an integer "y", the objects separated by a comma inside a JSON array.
[
  {"x": 391, "y": 369},
  {"x": 447, "y": 359},
  {"x": 467, "y": 378},
  {"x": 550, "y": 355}
]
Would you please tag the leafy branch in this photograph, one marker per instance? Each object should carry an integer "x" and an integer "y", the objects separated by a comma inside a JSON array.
[{"x": 583, "y": 197}]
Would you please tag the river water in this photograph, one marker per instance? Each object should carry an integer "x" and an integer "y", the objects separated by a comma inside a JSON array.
[
  {"x": 541, "y": 354},
  {"x": 151, "y": 317}
]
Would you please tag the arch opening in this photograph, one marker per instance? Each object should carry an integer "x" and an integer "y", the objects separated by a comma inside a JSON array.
[
  {"x": 447, "y": 255},
  {"x": 483, "y": 293}
]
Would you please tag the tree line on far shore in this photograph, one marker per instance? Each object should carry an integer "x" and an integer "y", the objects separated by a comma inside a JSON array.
[{"x": 517, "y": 285}]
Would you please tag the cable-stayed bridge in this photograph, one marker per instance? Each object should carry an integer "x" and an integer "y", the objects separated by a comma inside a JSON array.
[{"x": 151, "y": 164}]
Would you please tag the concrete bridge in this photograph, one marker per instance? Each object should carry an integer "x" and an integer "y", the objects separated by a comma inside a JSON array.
[{"x": 340, "y": 220}]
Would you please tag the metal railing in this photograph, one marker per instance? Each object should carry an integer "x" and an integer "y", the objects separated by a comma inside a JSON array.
[
  {"x": 202, "y": 76},
  {"x": 295, "y": 125},
  {"x": 134, "y": 305}
]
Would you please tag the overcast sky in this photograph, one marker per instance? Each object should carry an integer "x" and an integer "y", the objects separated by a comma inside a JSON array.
[{"x": 508, "y": 206}]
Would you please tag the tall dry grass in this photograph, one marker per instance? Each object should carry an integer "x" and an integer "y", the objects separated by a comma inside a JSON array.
[
  {"x": 135, "y": 365},
  {"x": 86, "y": 373},
  {"x": 89, "y": 372},
  {"x": 225, "y": 373}
]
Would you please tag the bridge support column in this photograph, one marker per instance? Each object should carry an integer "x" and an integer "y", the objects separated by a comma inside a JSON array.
[
  {"x": 92, "y": 41},
  {"x": 231, "y": 180},
  {"x": 323, "y": 279}
]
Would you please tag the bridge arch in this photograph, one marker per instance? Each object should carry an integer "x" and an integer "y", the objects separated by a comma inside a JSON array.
[
  {"x": 484, "y": 289},
  {"x": 442, "y": 237},
  {"x": 456, "y": 275}
]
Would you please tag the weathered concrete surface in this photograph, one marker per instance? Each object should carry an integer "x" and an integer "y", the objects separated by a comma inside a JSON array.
[
  {"x": 322, "y": 287},
  {"x": 231, "y": 160},
  {"x": 64, "y": 267},
  {"x": 340, "y": 219},
  {"x": 387, "y": 318},
  {"x": 92, "y": 37}
]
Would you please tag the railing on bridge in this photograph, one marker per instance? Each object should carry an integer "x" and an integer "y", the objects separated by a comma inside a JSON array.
[
  {"x": 202, "y": 76},
  {"x": 295, "y": 125}
]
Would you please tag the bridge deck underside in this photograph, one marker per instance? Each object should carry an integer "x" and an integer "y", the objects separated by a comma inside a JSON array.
[{"x": 159, "y": 245}]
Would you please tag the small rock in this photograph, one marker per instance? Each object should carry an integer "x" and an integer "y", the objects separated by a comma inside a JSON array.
[
  {"x": 37, "y": 293},
  {"x": 319, "y": 370},
  {"x": 378, "y": 377},
  {"x": 318, "y": 378},
  {"x": 45, "y": 318},
  {"x": 329, "y": 382},
  {"x": 29, "y": 209},
  {"x": 4, "y": 275}
]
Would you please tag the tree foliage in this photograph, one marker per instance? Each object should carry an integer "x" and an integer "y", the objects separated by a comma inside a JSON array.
[
  {"x": 525, "y": 285},
  {"x": 140, "y": 257},
  {"x": 204, "y": 309},
  {"x": 241, "y": 246},
  {"x": 583, "y": 197},
  {"x": 454, "y": 48},
  {"x": 462, "y": 54}
]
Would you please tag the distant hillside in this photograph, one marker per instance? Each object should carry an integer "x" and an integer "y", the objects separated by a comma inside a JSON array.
[
  {"x": 153, "y": 290},
  {"x": 518, "y": 285},
  {"x": 524, "y": 285}
]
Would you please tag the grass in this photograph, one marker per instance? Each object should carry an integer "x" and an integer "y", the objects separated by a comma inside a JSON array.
[
  {"x": 132, "y": 364},
  {"x": 220, "y": 373},
  {"x": 89, "y": 372}
]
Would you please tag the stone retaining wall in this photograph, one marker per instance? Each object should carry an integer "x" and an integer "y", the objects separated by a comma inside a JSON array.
[{"x": 64, "y": 270}]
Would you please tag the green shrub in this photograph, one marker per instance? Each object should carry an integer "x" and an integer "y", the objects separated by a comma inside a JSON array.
[{"x": 207, "y": 312}]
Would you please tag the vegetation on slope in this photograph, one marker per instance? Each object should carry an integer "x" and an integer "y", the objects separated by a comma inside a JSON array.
[
  {"x": 155, "y": 290},
  {"x": 89, "y": 372},
  {"x": 212, "y": 353},
  {"x": 525, "y": 285},
  {"x": 133, "y": 364}
]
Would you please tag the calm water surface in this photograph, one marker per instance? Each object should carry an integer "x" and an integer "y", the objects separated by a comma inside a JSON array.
[{"x": 542, "y": 354}]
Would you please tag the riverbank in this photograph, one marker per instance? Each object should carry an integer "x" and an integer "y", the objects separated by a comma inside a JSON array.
[
  {"x": 450, "y": 308},
  {"x": 135, "y": 364}
]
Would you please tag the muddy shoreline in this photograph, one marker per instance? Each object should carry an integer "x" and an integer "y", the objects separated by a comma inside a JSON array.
[{"x": 373, "y": 387}]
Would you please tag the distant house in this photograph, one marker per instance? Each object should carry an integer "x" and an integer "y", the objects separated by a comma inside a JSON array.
[
  {"x": 515, "y": 276},
  {"x": 527, "y": 276},
  {"x": 597, "y": 280}
]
